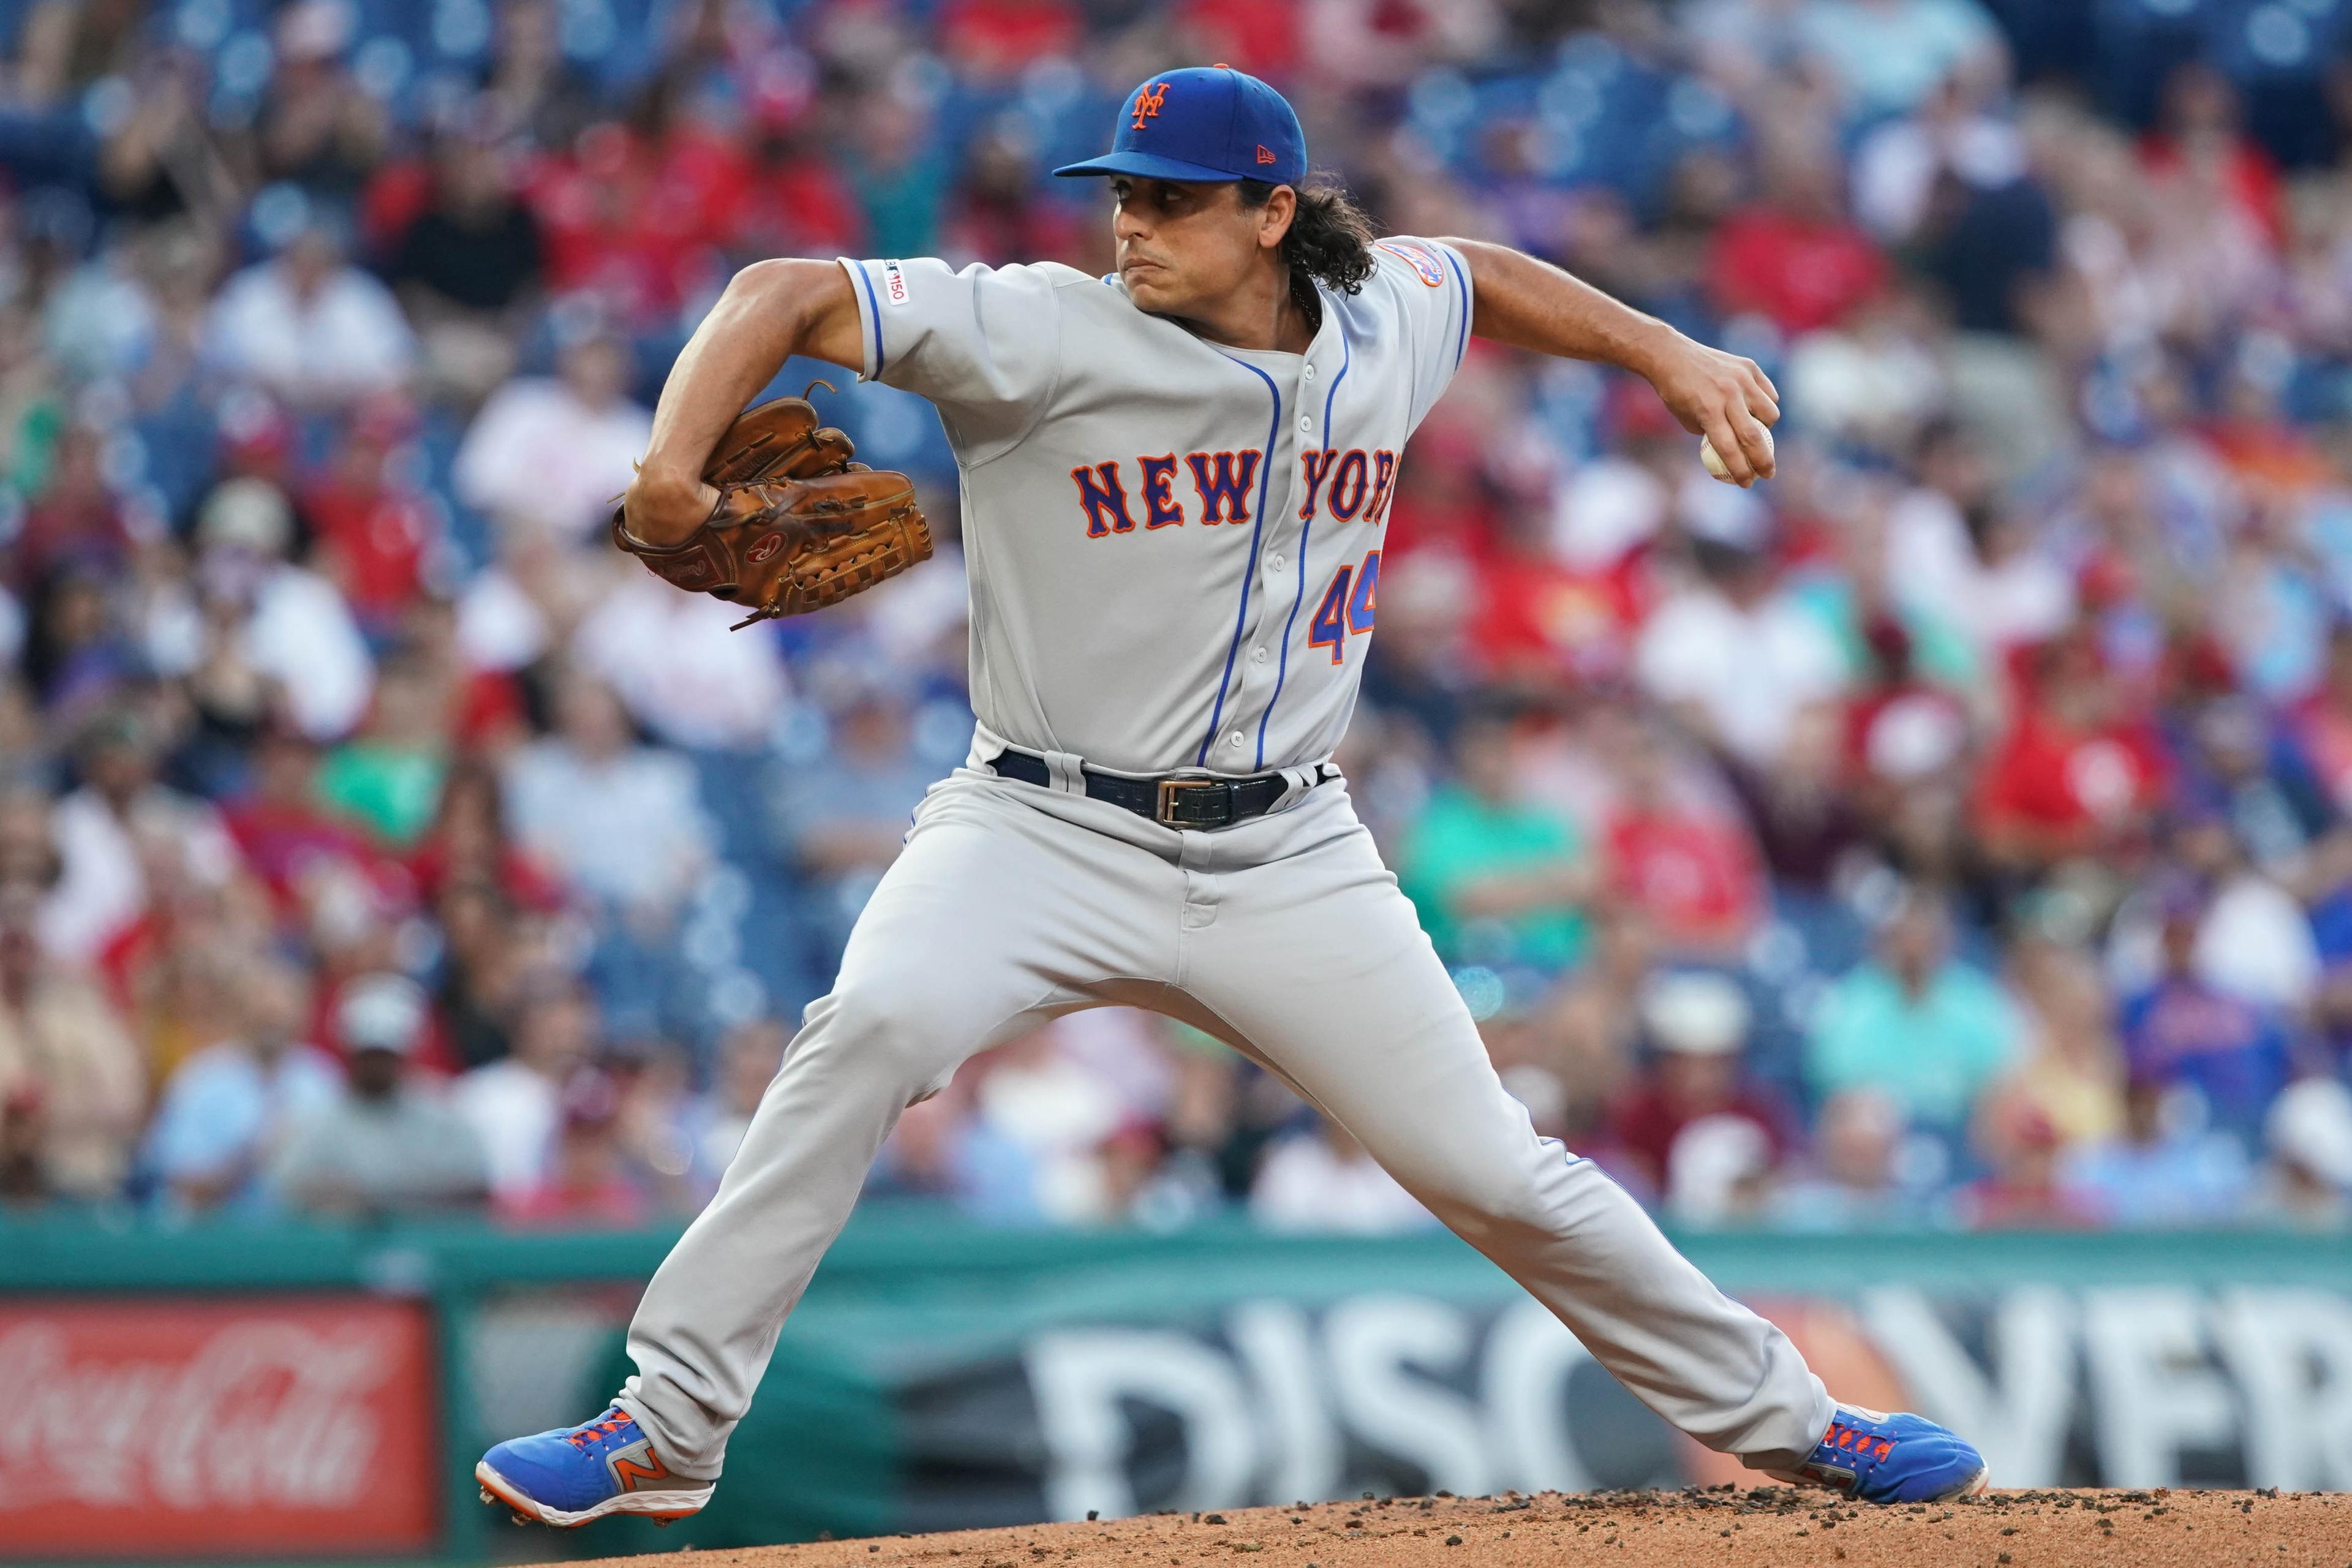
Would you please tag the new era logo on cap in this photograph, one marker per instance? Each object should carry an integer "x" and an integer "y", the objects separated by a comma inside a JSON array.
[{"x": 1264, "y": 154}]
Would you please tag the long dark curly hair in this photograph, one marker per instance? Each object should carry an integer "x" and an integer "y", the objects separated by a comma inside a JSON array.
[{"x": 1330, "y": 242}]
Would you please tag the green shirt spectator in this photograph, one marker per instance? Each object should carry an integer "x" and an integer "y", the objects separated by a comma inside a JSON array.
[
  {"x": 1497, "y": 879},
  {"x": 1916, "y": 1024},
  {"x": 389, "y": 776},
  {"x": 391, "y": 790}
]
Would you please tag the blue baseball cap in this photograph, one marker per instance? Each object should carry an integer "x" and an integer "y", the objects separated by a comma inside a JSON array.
[{"x": 1204, "y": 123}]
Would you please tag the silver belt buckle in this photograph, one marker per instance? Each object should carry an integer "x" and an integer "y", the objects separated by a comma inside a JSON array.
[{"x": 1165, "y": 813}]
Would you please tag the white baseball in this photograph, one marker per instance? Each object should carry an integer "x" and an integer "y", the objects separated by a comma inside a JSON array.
[{"x": 1712, "y": 461}]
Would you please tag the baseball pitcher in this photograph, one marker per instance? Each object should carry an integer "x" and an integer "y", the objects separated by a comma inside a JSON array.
[{"x": 1175, "y": 482}]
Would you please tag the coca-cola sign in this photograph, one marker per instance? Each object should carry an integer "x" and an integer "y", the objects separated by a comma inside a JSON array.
[{"x": 193, "y": 1426}]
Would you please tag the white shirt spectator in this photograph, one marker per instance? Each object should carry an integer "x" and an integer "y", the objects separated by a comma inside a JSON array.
[
  {"x": 1748, "y": 668},
  {"x": 628, "y": 828},
  {"x": 2256, "y": 942},
  {"x": 1933, "y": 570},
  {"x": 343, "y": 338},
  {"x": 104, "y": 887},
  {"x": 1309, "y": 1184},
  {"x": 1604, "y": 509},
  {"x": 1896, "y": 166},
  {"x": 303, "y": 635},
  {"x": 514, "y": 1110},
  {"x": 538, "y": 455},
  {"x": 1871, "y": 381},
  {"x": 679, "y": 669},
  {"x": 500, "y": 625}
]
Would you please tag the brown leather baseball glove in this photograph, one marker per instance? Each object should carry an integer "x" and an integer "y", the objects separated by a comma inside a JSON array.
[{"x": 798, "y": 525}]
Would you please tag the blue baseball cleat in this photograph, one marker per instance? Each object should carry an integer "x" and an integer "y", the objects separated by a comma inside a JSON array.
[
  {"x": 1878, "y": 1457},
  {"x": 572, "y": 1475}
]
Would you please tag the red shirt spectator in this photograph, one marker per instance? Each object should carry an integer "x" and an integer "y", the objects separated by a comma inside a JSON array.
[
  {"x": 1794, "y": 255},
  {"x": 2200, "y": 142},
  {"x": 1535, "y": 612},
  {"x": 1695, "y": 873},
  {"x": 2064, "y": 782},
  {"x": 640, "y": 214},
  {"x": 795, "y": 203},
  {"x": 76, "y": 519},
  {"x": 1803, "y": 273},
  {"x": 1260, "y": 37},
  {"x": 281, "y": 825},
  {"x": 1003, "y": 37},
  {"x": 374, "y": 535},
  {"x": 2075, "y": 770}
]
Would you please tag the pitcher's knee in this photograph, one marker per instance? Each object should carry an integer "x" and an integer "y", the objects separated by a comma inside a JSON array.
[
  {"x": 1488, "y": 1197},
  {"x": 893, "y": 1032}
]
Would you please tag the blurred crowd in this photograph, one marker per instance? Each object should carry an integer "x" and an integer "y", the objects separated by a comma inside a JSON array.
[{"x": 1952, "y": 832}]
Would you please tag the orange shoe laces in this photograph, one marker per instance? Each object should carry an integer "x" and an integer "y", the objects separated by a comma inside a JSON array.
[
  {"x": 610, "y": 1422},
  {"x": 1854, "y": 1440}
]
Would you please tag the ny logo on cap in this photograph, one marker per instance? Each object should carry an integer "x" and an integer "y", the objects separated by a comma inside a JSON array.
[{"x": 1147, "y": 102}]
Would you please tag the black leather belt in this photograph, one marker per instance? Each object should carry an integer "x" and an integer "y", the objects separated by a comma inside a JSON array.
[{"x": 1172, "y": 800}]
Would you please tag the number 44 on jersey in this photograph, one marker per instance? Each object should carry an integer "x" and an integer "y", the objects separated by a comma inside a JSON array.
[{"x": 1349, "y": 605}]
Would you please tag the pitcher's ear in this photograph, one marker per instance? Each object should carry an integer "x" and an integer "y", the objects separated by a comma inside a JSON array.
[{"x": 1280, "y": 211}]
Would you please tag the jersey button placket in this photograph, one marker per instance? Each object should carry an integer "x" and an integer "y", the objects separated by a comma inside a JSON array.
[{"x": 1269, "y": 603}]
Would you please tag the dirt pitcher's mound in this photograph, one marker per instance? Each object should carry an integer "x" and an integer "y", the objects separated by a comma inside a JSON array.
[{"x": 1767, "y": 1528}]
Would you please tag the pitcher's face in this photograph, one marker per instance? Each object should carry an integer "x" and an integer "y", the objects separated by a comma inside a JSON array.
[{"x": 1183, "y": 245}]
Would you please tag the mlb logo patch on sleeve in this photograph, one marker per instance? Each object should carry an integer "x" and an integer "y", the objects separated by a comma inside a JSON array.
[
  {"x": 894, "y": 283},
  {"x": 1425, "y": 266}
]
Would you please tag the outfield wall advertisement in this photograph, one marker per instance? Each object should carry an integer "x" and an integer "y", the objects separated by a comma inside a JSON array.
[{"x": 175, "y": 1427}]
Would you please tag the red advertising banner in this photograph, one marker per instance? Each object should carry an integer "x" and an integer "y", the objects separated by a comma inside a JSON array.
[{"x": 205, "y": 1426}]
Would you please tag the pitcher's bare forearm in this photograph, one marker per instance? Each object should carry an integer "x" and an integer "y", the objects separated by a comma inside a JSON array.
[
  {"x": 771, "y": 310},
  {"x": 1531, "y": 304}
]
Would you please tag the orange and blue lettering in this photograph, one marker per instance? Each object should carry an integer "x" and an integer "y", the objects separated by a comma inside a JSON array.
[
  {"x": 1343, "y": 612},
  {"x": 1364, "y": 604},
  {"x": 1223, "y": 481},
  {"x": 1348, "y": 485},
  {"x": 1105, "y": 498},
  {"x": 1384, "y": 477},
  {"x": 1328, "y": 628},
  {"x": 1160, "y": 507},
  {"x": 1315, "y": 467}
]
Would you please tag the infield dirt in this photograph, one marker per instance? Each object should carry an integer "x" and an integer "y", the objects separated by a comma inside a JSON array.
[{"x": 1768, "y": 1527}]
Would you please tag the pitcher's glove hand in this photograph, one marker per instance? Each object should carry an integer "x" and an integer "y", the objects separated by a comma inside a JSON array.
[{"x": 798, "y": 525}]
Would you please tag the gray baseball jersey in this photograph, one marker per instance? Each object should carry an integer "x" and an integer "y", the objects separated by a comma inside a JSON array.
[
  {"x": 1175, "y": 553},
  {"x": 1174, "y": 547}
]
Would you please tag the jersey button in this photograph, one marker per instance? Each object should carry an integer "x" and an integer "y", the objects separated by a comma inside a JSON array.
[
  {"x": 1258, "y": 655},
  {"x": 1274, "y": 562},
  {"x": 1310, "y": 372},
  {"x": 1307, "y": 423},
  {"x": 1234, "y": 739}
]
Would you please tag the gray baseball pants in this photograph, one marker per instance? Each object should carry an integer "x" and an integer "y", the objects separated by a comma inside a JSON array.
[{"x": 1285, "y": 938}]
